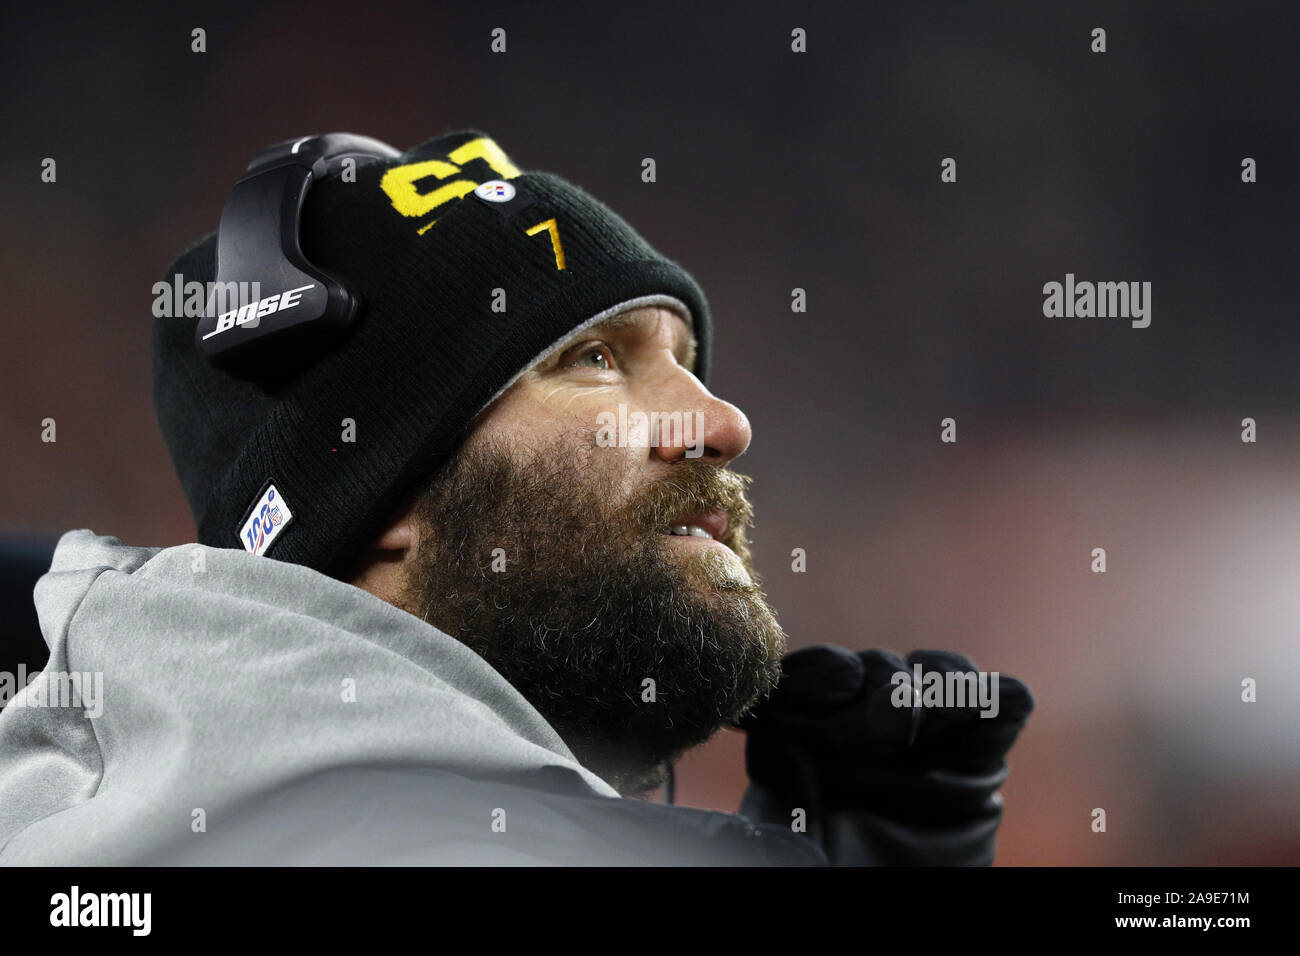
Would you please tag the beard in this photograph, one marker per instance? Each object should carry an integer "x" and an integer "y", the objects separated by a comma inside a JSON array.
[{"x": 633, "y": 647}]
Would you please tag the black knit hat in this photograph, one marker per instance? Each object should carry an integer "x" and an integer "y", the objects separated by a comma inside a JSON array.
[{"x": 425, "y": 251}]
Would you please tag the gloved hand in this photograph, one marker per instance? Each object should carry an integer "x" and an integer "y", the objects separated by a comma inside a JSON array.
[{"x": 881, "y": 783}]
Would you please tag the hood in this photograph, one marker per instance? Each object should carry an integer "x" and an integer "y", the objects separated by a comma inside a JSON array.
[{"x": 212, "y": 676}]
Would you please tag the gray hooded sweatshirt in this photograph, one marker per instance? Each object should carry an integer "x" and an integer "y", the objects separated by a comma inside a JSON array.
[
  {"x": 205, "y": 705},
  {"x": 223, "y": 676}
]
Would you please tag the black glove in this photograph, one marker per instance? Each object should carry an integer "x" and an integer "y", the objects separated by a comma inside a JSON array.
[{"x": 881, "y": 783}]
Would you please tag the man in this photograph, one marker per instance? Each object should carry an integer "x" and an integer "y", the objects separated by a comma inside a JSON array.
[{"x": 464, "y": 586}]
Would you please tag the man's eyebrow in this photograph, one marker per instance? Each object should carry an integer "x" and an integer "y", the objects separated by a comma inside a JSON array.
[{"x": 684, "y": 352}]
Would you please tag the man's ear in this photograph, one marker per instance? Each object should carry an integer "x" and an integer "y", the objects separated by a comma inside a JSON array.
[
  {"x": 402, "y": 534},
  {"x": 381, "y": 567}
]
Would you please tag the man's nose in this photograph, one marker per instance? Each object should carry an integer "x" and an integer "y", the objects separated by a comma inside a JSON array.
[{"x": 711, "y": 430}]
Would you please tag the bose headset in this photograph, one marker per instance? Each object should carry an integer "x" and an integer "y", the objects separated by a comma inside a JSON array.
[{"x": 258, "y": 241}]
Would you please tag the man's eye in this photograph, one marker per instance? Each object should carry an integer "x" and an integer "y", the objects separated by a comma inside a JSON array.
[{"x": 593, "y": 356}]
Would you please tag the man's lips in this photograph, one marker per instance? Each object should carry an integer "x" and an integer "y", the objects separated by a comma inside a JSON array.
[{"x": 713, "y": 522}]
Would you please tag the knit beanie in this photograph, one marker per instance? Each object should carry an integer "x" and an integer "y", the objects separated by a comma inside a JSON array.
[{"x": 468, "y": 271}]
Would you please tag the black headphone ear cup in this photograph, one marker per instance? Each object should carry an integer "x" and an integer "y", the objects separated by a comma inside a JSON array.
[{"x": 286, "y": 311}]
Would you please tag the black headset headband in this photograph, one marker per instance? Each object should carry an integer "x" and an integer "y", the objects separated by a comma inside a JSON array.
[{"x": 258, "y": 242}]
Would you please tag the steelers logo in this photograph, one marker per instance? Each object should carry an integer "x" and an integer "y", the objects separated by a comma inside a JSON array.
[{"x": 495, "y": 190}]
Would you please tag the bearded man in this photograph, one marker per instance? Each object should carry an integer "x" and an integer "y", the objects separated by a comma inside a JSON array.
[{"x": 433, "y": 615}]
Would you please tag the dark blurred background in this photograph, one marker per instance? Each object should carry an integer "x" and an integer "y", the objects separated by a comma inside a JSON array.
[{"x": 821, "y": 171}]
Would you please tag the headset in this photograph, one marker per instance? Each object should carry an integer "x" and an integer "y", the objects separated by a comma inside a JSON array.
[{"x": 258, "y": 241}]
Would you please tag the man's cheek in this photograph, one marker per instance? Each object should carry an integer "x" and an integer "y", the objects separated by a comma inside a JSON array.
[{"x": 525, "y": 439}]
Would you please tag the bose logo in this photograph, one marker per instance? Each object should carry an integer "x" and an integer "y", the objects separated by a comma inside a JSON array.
[{"x": 252, "y": 313}]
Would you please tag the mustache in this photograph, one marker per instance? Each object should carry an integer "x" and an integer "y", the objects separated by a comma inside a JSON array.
[{"x": 695, "y": 486}]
